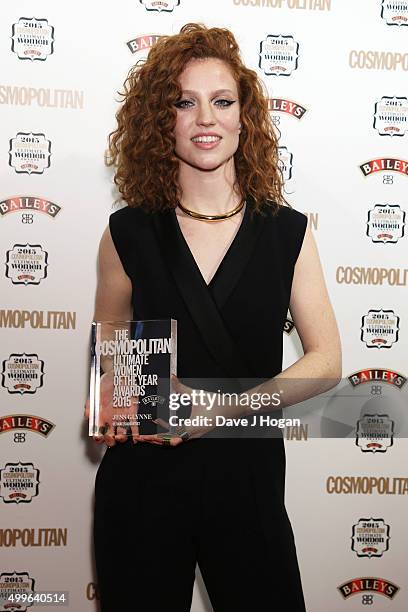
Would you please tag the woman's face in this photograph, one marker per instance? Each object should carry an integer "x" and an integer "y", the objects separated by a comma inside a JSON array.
[{"x": 208, "y": 115}]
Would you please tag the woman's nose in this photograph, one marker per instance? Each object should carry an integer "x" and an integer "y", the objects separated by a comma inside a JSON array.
[{"x": 205, "y": 115}]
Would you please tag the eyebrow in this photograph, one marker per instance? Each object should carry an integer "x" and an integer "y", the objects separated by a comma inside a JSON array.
[{"x": 214, "y": 93}]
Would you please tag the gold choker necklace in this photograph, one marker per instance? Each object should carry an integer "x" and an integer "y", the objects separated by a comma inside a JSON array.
[{"x": 202, "y": 217}]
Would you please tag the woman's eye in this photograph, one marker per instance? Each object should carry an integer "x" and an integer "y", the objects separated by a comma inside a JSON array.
[
  {"x": 182, "y": 103},
  {"x": 188, "y": 103},
  {"x": 225, "y": 102}
]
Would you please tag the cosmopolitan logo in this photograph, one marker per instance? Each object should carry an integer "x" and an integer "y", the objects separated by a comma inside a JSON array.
[
  {"x": 38, "y": 319},
  {"x": 368, "y": 585},
  {"x": 160, "y": 5},
  {"x": 378, "y": 60},
  {"x": 280, "y": 105},
  {"x": 297, "y": 432},
  {"x": 306, "y": 5},
  {"x": 50, "y": 98},
  {"x": 92, "y": 591},
  {"x": 32, "y": 39},
  {"x": 142, "y": 44},
  {"x": 29, "y": 422},
  {"x": 118, "y": 347},
  {"x": 395, "y": 12},
  {"x": 359, "y": 275},
  {"x": 367, "y": 485},
  {"x": 34, "y": 203},
  {"x": 385, "y": 164},
  {"x": 369, "y": 375},
  {"x": 19, "y": 482},
  {"x": 29, "y": 153},
  {"x": 14, "y": 538}
]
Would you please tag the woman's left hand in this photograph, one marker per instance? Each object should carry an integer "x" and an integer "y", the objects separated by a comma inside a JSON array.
[{"x": 170, "y": 439}]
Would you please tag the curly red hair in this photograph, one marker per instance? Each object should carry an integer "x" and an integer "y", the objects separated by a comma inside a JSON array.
[{"x": 142, "y": 147}]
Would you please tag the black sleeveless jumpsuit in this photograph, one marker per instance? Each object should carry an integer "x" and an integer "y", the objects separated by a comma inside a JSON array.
[{"x": 213, "y": 501}]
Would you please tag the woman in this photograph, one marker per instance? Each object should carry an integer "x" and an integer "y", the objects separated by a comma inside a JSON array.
[{"x": 194, "y": 141}]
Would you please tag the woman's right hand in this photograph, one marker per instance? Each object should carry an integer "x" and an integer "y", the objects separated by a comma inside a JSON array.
[{"x": 108, "y": 434}]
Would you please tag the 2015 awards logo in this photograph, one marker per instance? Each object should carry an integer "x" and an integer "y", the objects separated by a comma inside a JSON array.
[
  {"x": 384, "y": 164},
  {"x": 141, "y": 45},
  {"x": 395, "y": 12},
  {"x": 30, "y": 153},
  {"x": 26, "y": 264},
  {"x": 287, "y": 107},
  {"x": 32, "y": 39},
  {"x": 374, "y": 586},
  {"x": 19, "y": 482},
  {"x": 22, "y": 373},
  {"x": 278, "y": 55},
  {"x": 28, "y": 422},
  {"x": 370, "y": 537},
  {"x": 386, "y": 223},
  {"x": 391, "y": 116},
  {"x": 167, "y": 6},
  {"x": 375, "y": 433},
  {"x": 379, "y": 328},
  {"x": 12, "y": 584},
  {"x": 285, "y": 163},
  {"x": 24, "y": 203}
]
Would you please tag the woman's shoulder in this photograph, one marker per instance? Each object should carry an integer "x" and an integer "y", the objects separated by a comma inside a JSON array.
[
  {"x": 286, "y": 217},
  {"x": 127, "y": 216}
]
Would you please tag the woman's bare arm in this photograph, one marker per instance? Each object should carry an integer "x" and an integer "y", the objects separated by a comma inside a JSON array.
[
  {"x": 114, "y": 288},
  {"x": 319, "y": 369},
  {"x": 112, "y": 303}
]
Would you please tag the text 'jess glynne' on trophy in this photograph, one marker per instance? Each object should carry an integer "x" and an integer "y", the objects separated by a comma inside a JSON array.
[{"x": 130, "y": 382}]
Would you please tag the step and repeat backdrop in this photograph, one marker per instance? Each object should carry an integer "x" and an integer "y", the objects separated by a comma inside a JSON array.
[{"x": 336, "y": 76}]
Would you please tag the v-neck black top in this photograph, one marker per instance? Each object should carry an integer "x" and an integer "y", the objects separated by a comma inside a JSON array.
[{"x": 234, "y": 325}]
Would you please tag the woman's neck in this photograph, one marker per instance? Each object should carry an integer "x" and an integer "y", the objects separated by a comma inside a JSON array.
[{"x": 209, "y": 192}]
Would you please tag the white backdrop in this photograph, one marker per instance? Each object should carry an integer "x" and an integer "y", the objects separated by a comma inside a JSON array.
[{"x": 61, "y": 68}]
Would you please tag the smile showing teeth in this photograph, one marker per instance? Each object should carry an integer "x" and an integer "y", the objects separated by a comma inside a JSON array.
[{"x": 206, "y": 138}]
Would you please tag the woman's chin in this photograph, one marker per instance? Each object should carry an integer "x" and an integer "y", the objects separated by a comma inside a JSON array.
[{"x": 206, "y": 165}]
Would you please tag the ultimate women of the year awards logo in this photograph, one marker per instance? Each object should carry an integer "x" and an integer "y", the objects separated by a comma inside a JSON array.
[
  {"x": 166, "y": 6},
  {"x": 379, "y": 328},
  {"x": 370, "y": 537},
  {"x": 32, "y": 39},
  {"x": 29, "y": 153},
  {"x": 26, "y": 264},
  {"x": 395, "y": 12},
  {"x": 386, "y": 223},
  {"x": 391, "y": 116},
  {"x": 278, "y": 55},
  {"x": 19, "y": 482},
  {"x": 22, "y": 373}
]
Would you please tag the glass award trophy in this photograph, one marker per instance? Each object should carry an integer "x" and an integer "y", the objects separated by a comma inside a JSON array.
[{"x": 130, "y": 382}]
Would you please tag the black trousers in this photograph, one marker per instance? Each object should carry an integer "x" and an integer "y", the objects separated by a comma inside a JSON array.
[{"x": 219, "y": 503}]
